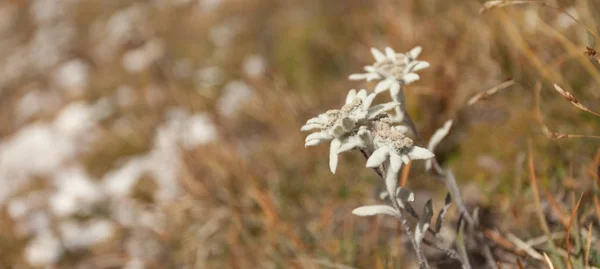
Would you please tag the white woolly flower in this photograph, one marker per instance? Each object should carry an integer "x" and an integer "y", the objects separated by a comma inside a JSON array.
[
  {"x": 345, "y": 127},
  {"x": 393, "y": 149},
  {"x": 392, "y": 69}
]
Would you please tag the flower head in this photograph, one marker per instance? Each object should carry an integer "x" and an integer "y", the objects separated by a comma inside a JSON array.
[
  {"x": 345, "y": 127},
  {"x": 393, "y": 148},
  {"x": 392, "y": 69}
]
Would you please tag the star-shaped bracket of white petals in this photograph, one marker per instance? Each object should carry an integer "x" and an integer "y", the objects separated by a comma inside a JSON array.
[
  {"x": 392, "y": 69},
  {"x": 345, "y": 127}
]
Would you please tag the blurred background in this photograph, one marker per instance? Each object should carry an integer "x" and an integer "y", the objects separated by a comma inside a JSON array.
[{"x": 165, "y": 133}]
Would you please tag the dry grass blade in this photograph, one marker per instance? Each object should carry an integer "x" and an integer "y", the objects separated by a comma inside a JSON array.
[
  {"x": 549, "y": 133},
  {"x": 499, "y": 4},
  {"x": 547, "y": 259},
  {"x": 520, "y": 244},
  {"x": 486, "y": 94},
  {"x": 520, "y": 264},
  {"x": 597, "y": 206},
  {"x": 588, "y": 247},
  {"x": 567, "y": 241},
  {"x": 538, "y": 204},
  {"x": 569, "y": 96},
  {"x": 496, "y": 4},
  {"x": 590, "y": 52}
]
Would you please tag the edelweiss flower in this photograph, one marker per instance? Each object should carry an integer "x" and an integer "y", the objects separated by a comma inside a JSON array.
[
  {"x": 393, "y": 148},
  {"x": 392, "y": 69},
  {"x": 345, "y": 127}
]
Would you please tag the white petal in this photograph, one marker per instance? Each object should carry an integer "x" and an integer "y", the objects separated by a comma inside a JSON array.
[
  {"x": 378, "y": 157},
  {"x": 359, "y": 76},
  {"x": 377, "y": 55},
  {"x": 390, "y": 53},
  {"x": 338, "y": 131},
  {"x": 349, "y": 145},
  {"x": 348, "y": 124},
  {"x": 410, "y": 78},
  {"x": 369, "y": 100},
  {"x": 362, "y": 94},
  {"x": 391, "y": 180},
  {"x": 370, "y": 69},
  {"x": 373, "y": 76},
  {"x": 318, "y": 136},
  {"x": 383, "y": 85},
  {"x": 419, "y": 153},
  {"x": 313, "y": 143},
  {"x": 395, "y": 88},
  {"x": 311, "y": 126},
  {"x": 420, "y": 66},
  {"x": 318, "y": 119},
  {"x": 395, "y": 163},
  {"x": 415, "y": 52},
  {"x": 439, "y": 135},
  {"x": 350, "y": 96},
  {"x": 405, "y": 158},
  {"x": 333, "y": 154},
  {"x": 378, "y": 109},
  {"x": 372, "y": 210}
]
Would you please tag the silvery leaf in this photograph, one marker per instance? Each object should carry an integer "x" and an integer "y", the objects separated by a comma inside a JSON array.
[
  {"x": 371, "y": 210},
  {"x": 410, "y": 78},
  {"x": 378, "y": 157},
  {"x": 383, "y": 85},
  {"x": 424, "y": 221},
  {"x": 415, "y": 52},
  {"x": 377, "y": 55},
  {"x": 442, "y": 214},
  {"x": 435, "y": 140},
  {"x": 405, "y": 195},
  {"x": 350, "y": 96},
  {"x": 333, "y": 154},
  {"x": 383, "y": 195},
  {"x": 378, "y": 109},
  {"x": 439, "y": 135},
  {"x": 419, "y": 153}
]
